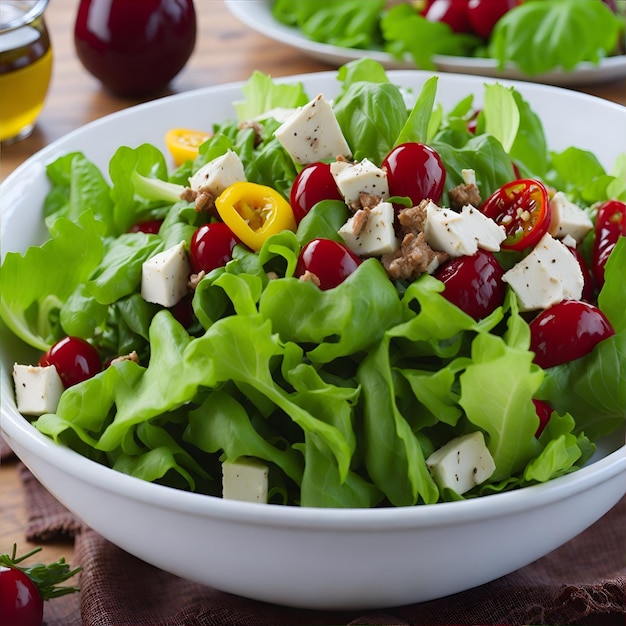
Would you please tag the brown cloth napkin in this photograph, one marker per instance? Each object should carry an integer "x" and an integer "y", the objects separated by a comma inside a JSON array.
[{"x": 582, "y": 583}]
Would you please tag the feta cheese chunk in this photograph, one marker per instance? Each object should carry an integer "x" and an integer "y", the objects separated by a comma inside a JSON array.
[
  {"x": 461, "y": 234},
  {"x": 568, "y": 219},
  {"x": 164, "y": 276},
  {"x": 462, "y": 463},
  {"x": 312, "y": 133},
  {"x": 352, "y": 179},
  {"x": 37, "y": 389},
  {"x": 245, "y": 479},
  {"x": 377, "y": 237},
  {"x": 549, "y": 274},
  {"x": 218, "y": 174}
]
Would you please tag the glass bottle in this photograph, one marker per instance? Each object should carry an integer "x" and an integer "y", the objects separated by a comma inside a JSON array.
[
  {"x": 135, "y": 47},
  {"x": 25, "y": 67}
]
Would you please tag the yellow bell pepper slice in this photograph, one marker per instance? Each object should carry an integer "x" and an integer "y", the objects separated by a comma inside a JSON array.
[
  {"x": 183, "y": 143},
  {"x": 254, "y": 212}
]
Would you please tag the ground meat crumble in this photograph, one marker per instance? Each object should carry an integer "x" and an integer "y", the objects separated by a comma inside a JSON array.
[
  {"x": 461, "y": 195},
  {"x": 414, "y": 256}
]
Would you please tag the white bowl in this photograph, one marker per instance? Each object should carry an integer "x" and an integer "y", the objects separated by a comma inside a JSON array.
[{"x": 304, "y": 557}]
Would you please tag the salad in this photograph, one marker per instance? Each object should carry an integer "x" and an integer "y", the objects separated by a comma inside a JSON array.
[
  {"x": 536, "y": 35},
  {"x": 331, "y": 380}
]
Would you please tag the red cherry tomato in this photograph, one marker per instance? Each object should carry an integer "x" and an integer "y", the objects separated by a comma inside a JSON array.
[
  {"x": 588, "y": 293},
  {"x": 567, "y": 331},
  {"x": 313, "y": 184},
  {"x": 211, "y": 246},
  {"x": 473, "y": 283},
  {"x": 151, "y": 227},
  {"x": 415, "y": 170},
  {"x": 523, "y": 208},
  {"x": 20, "y": 601},
  {"x": 74, "y": 358},
  {"x": 544, "y": 412},
  {"x": 183, "y": 311},
  {"x": 483, "y": 14},
  {"x": 610, "y": 226},
  {"x": 451, "y": 12},
  {"x": 331, "y": 261}
]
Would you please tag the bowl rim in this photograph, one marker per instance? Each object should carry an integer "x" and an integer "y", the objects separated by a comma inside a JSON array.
[{"x": 18, "y": 429}]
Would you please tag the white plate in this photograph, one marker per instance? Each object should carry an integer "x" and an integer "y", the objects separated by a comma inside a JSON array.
[
  {"x": 257, "y": 15},
  {"x": 309, "y": 558}
]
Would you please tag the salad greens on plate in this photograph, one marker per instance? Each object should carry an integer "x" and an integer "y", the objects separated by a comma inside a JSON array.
[
  {"x": 345, "y": 392},
  {"x": 535, "y": 35}
]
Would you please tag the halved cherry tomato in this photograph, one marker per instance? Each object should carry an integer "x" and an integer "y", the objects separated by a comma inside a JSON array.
[
  {"x": 523, "y": 209},
  {"x": 610, "y": 226},
  {"x": 183, "y": 143}
]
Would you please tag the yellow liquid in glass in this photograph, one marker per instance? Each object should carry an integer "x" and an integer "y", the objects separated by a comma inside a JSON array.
[{"x": 25, "y": 72}]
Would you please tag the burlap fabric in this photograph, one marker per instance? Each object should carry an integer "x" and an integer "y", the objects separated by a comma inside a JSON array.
[{"x": 583, "y": 582}]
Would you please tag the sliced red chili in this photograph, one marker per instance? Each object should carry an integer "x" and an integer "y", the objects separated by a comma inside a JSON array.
[{"x": 523, "y": 209}]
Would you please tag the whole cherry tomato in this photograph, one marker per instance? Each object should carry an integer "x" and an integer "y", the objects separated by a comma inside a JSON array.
[
  {"x": 23, "y": 589},
  {"x": 544, "y": 413},
  {"x": 313, "y": 184},
  {"x": 74, "y": 359},
  {"x": 483, "y": 14},
  {"x": 451, "y": 12},
  {"x": 211, "y": 246},
  {"x": 183, "y": 311},
  {"x": 150, "y": 227},
  {"x": 567, "y": 331},
  {"x": 415, "y": 170},
  {"x": 330, "y": 261},
  {"x": 523, "y": 209},
  {"x": 21, "y": 603},
  {"x": 474, "y": 283},
  {"x": 588, "y": 293},
  {"x": 610, "y": 226}
]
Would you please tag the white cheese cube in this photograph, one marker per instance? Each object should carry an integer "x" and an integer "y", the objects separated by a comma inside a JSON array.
[
  {"x": 312, "y": 133},
  {"x": 245, "y": 479},
  {"x": 218, "y": 174},
  {"x": 352, "y": 179},
  {"x": 377, "y": 237},
  {"x": 549, "y": 274},
  {"x": 462, "y": 463},
  {"x": 37, "y": 389},
  {"x": 461, "y": 234},
  {"x": 568, "y": 218},
  {"x": 164, "y": 277}
]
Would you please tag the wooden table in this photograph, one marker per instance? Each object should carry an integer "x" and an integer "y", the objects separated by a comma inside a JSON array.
[{"x": 226, "y": 51}]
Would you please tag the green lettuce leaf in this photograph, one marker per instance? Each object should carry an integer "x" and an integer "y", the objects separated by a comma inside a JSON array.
[{"x": 540, "y": 36}]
